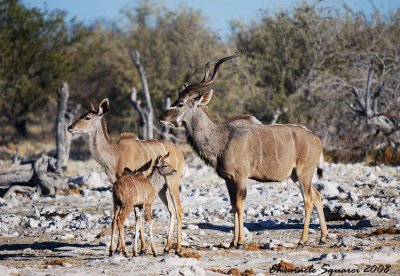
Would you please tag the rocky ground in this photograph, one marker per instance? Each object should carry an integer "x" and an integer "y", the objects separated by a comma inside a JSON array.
[{"x": 70, "y": 234}]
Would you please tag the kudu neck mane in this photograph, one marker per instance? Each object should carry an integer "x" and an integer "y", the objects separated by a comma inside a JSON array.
[
  {"x": 224, "y": 122},
  {"x": 105, "y": 131}
]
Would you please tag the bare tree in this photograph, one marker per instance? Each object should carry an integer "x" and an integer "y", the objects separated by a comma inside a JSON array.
[
  {"x": 367, "y": 105},
  {"x": 34, "y": 176},
  {"x": 148, "y": 110},
  {"x": 136, "y": 104},
  {"x": 63, "y": 120}
]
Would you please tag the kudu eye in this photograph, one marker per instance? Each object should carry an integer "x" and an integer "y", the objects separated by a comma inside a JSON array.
[
  {"x": 87, "y": 118},
  {"x": 179, "y": 105}
]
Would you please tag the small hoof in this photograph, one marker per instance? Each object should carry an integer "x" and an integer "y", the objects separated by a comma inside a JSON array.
[
  {"x": 240, "y": 246},
  {"x": 232, "y": 245},
  {"x": 126, "y": 254},
  {"x": 165, "y": 253},
  {"x": 155, "y": 254},
  {"x": 322, "y": 241},
  {"x": 111, "y": 253},
  {"x": 300, "y": 245},
  {"x": 142, "y": 253}
]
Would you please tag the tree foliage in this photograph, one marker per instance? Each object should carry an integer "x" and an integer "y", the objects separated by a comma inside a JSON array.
[
  {"x": 37, "y": 52},
  {"x": 301, "y": 63}
]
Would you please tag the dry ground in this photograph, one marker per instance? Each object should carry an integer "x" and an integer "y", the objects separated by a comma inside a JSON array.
[{"x": 70, "y": 234}]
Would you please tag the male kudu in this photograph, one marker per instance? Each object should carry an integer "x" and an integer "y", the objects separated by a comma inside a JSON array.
[
  {"x": 129, "y": 152},
  {"x": 244, "y": 148}
]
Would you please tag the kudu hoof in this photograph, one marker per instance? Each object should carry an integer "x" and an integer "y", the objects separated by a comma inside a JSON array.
[
  {"x": 300, "y": 245},
  {"x": 322, "y": 241},
  {"x": 155, "y": 254},
  {"x": 166, "y": 252},
  {"x": 232, "y": 245},
  {"x": 125, "y": 254},
  {"x": 240, "y": 246},
  {"x": 142, "y": 253},
  {"x": 111, "y": 253}
]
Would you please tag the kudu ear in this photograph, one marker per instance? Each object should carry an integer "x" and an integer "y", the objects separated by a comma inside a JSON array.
[
  {"x": 157, "y": 160},
  {"x": 165, "y": 156},
  {"x": 104, "y": 106},
  {"x": 91, "y": 107},
  {"x": 145, "y": 167},
  {"x": 204, "y": 98}
]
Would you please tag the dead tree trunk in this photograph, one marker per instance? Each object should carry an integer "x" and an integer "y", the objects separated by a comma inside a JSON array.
[
  {"x": 63, "y": 120},
  {"x": 148, "y": 110},
  {"x": 367, "y": 105},
  {"x": 40, "y": 176},
  {"x": 141, "y": 116},
  {"x": 166, "y": 129}
]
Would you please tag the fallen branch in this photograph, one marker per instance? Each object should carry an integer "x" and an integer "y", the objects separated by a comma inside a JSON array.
[{"x": 39, "y": 176}]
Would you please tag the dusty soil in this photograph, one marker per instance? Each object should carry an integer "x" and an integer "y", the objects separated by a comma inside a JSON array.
[{"x": 70, "y": 234}]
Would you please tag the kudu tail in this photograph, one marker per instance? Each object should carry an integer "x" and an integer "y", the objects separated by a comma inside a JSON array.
[{"x": 319, "y": 167}]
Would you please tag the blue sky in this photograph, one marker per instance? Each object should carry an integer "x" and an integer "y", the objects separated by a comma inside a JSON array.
[{"x": 217, "y": 12}]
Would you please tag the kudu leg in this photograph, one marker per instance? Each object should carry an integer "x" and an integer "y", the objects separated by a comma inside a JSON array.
[
  {"x": 174, "y": 194},
  {"x": 139, "y": 213},
  {"x": 123, "y": 214},
  {"x": 320, "y": 210},
  {"x": 239, "y": 188},
  {"x": 150, "y": 224},
  {"x": 113, "y": 228},
  {"x": 138, "y": 226},
  {"x": 232, "y": 196},
  {"x": 308, "y": 205},
  {"x": 168, "y": 203},
  {"x": 240, "y": 199}
]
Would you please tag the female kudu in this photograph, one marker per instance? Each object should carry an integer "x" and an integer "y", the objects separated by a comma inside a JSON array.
[{"x": 129, "y": 152}]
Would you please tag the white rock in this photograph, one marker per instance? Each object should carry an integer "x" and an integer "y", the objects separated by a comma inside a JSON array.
[
  {"x": 329, "y": 190},
  {"x": 192, "y": 227},
  {"x": 93, "y": 181},
  {"x": 250, "y": 211},
  {"x": 33, "y": 223},
  {"x": 188, "y": 271},
  {"x": 389, "y": 211},
  {"x": 268, "y": 245}
]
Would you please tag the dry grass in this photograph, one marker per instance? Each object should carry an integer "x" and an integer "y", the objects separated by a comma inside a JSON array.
[
  {"x": 379, "y": 231},
  {"x": 291, "y": 267},
  {"x": 55, "y": 262},
  {"x": 190, "y": 254}
]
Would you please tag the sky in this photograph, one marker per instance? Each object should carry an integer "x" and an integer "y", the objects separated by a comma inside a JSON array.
[{"x": 218, "y": 13}]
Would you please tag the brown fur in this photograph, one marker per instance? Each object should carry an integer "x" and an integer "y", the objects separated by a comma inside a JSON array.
[
  {"x": 116, "y": 154},
  {"x": 134, "y": 189},
  {"x": 131, "y": 191}
]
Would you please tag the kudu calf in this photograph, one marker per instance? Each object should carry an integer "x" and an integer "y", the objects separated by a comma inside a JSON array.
[
  {"x": 244, "y": 149},
  {"x": 128, "y": 151},
  {"x": 134, "y": 190}
]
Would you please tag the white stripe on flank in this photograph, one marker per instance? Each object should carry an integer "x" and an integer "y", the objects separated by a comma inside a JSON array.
[
  {"x": 151, "y": 148},
  {"x": 165, "y": 151},
  {"x": 291, "y": 137},
  {"x": 176, "y": 160},
  {"x": 261, "y": 151},
  {"x": 144, "y": 150},
  {"x": 141, "y": 154},
  {"x": 308, "y": 145},
  {"x": 293, "y": 125},
  {"x": 276, "y": 147}
]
